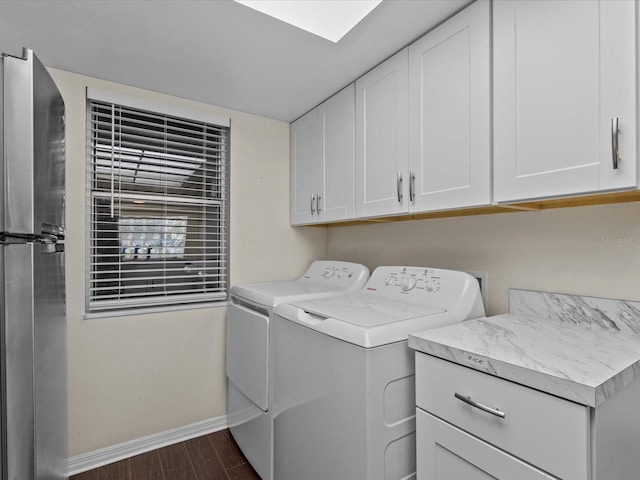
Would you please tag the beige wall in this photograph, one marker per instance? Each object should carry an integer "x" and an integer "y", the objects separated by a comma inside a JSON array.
[
  {"x": 586, "y": 250},
  {"x": 137, "y": 375},
  {"x": 133, "y": 376}
]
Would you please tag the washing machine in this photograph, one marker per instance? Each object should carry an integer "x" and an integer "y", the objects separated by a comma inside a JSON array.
[
  {"x": 343, "y": 375},
  {"x": 248, "y": 349}
]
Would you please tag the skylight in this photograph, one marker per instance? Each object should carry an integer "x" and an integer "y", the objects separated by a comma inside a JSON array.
[{"x": 330, "y": 19}]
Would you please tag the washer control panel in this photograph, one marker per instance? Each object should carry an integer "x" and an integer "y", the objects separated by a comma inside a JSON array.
[
  {"x": 420, "y": 285},
  {"x": 409, "y": 278}
]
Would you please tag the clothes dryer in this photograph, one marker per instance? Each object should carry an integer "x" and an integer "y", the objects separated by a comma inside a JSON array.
[
  {"x": 343, "y": 375},
  {"x": 248, "y": 349}
]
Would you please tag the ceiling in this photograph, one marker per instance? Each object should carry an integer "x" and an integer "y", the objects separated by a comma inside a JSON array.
[{"x": 214, "y": 51}]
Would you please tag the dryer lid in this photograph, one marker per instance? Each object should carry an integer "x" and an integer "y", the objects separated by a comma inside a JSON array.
[
  {"x": 271, "y": 294},
  {"x": 323, "y": 278}
]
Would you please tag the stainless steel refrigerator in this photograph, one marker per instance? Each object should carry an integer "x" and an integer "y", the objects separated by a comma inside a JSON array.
[{"x": 33, "y": 320}]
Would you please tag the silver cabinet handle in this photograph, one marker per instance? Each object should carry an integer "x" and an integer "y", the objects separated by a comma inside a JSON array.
[
  {"x": 313, "y": 199},
  {"x": 484, "y": 408},
  {"x": 399, "y": 187},
  {"x": 318, "y": 197},
  {"x": 412, "y": 186},
  {"x": 615, "y": 148}
]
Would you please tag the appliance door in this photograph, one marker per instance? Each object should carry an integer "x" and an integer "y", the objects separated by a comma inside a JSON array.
[
  {"x": 34, "y": 439},
  {"x": 248, "y": 353},
  {"x": 17, "y": 362},
  {"x": 48, "y": 153},
  {"x": 49, "y": 315},
  {"x": 50, "y": 363},
  {"x": 34, "y": 149},
  {"x": 34, "y": 363}
]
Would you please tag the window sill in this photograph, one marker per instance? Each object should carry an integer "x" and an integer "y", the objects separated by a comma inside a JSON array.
[{"x": 153, "y": 310}]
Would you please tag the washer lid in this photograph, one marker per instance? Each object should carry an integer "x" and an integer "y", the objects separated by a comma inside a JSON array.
[
  {"x": 362, "y": 323},
  {"x": 364, "y": 311}
]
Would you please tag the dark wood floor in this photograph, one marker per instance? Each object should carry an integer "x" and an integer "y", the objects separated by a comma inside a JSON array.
[{"x": 211, "y": 457}]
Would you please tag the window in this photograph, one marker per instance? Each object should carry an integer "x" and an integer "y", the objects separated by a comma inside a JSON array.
[{"x": 158, "y": 195}]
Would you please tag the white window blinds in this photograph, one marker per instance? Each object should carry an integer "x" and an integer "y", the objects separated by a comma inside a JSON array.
[{"x": 158, "y": 187}]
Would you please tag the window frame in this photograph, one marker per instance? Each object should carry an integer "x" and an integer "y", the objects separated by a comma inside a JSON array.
[{"x": 168, "y": 302}]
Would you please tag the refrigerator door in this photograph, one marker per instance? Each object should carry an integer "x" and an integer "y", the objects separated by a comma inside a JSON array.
[
  {"x": 34, "y": 322},
  {"x": 50, "y": 364},
  {"x": 18, "y": 391},
  {"x": 48, "y": 153},
  {"x": 34, "y": 148}
]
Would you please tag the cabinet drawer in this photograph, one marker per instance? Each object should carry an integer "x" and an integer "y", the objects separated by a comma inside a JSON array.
[
  {"x": 544, "y": 430},
  {"x": 444, "y": 451}
]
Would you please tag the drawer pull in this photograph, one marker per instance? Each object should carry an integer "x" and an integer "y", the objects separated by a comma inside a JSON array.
[{"x": 484, "y": 408}]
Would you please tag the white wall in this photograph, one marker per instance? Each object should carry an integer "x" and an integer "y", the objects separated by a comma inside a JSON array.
[
  {"x": 134, "y": 376},
  {"x": 586, "y": 250}
]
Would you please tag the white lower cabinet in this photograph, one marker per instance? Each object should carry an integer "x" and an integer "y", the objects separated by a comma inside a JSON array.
[
  {"x": 535, "y": 428},
  {"x": 448, "y": 453},
  {"x": 508, "y": 431}
]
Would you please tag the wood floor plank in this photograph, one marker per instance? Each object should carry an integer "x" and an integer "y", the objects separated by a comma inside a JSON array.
[
  {"x": 175, "y": 463},
  {"x": 212, "y": 457},
  {"x": 90, "y": 475},
  {"x": 146, "y": 467},
  {"x": 116, "y": 471},
  {"x": 228, "y": 452},
  {"x": 204, "y": 459},
  {"x": 242, "y": 472}
]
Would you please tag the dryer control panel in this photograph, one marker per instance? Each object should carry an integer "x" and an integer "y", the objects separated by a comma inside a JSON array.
[{"x": 346, "y": 276}]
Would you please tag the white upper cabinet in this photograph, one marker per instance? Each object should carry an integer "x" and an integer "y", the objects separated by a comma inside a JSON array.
[
  {"x": 382, "y": 138},
  {"x": 322, "y": 162},
  {"x": 303, "y": 161},
  {"x": 424, "y": 131},
  {"x": 337, "y": 141},
  {"x": 450, "y": 113},
  {"x": 423, "y": 125},
  {"x": 564, "y": 73}
]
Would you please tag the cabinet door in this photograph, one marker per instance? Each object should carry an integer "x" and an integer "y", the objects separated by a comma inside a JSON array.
[
  {"x": 563, "y": 69},
  {"x": 382, "y": 138},
  {"x": 337, "y": 157},
  {"x": 303, "y": 161},
  {"x": 449, "y": 113},
  {"x": 445, "y": 452}
]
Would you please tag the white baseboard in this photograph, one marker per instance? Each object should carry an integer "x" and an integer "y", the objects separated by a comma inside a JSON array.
[{"x": 104, "y": 456}]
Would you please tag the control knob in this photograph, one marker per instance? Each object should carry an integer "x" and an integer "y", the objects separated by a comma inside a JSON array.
[
  {"x": 408, "y": 284},
  {"x": 329, "y": 272},
  {"x": 430, "y": 286},
  {"x": 390, "y": 280}
]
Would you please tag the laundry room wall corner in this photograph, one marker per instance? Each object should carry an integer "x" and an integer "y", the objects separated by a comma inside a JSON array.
[{"x": 264, "y": 246}]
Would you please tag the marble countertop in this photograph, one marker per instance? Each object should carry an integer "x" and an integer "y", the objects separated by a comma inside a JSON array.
[{"x": 582, "y": 362}]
